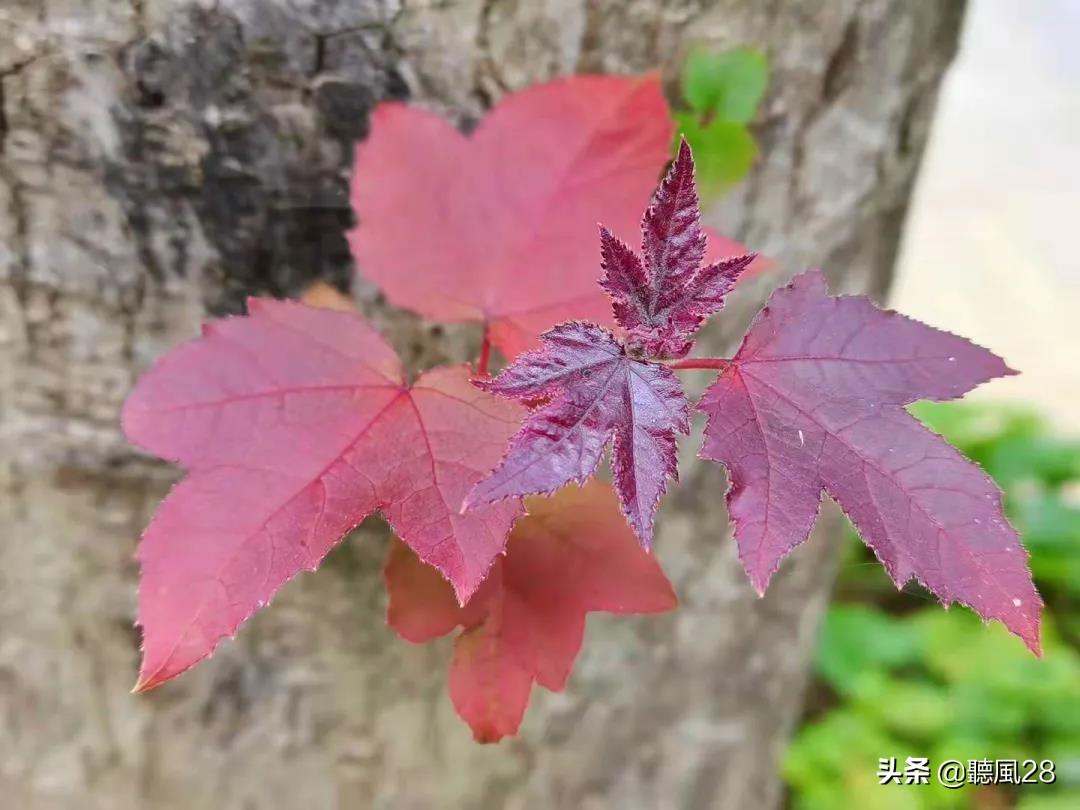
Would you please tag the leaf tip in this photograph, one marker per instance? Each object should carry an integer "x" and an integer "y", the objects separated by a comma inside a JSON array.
[
  {"x": 464, "y": 590},
  {"x": 685, "y": 152},
  {"x": 1031, "y": 632},
  {"x": 143, "y": 684},
  {"x": 487, "y": 735},
  {"x": 759, "y": 581},
  {"x": 670, "y": 600}
]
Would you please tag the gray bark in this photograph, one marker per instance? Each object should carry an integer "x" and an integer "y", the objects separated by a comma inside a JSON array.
[{"x": 159, "y": 160}]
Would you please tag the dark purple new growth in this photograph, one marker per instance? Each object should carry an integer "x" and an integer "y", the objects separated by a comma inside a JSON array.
[
  {"x": 599, "y": 389},
  {"x": 662, "y": 301},
  {"x": 596, "y": 392}
]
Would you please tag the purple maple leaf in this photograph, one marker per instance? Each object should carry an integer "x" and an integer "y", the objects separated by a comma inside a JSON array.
[
  {"x": 664, "y": 299},
  {"x": 813, "y": 401},
  {"x": 597, "y": 392}
]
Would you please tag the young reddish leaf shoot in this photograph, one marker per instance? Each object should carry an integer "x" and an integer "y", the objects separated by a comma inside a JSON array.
[
  {"x": 570, "y": 555},
  {"x": 599, "y": 391},
  {"x": 813, "y": 402},
  {"x": 296, "y": 423}
]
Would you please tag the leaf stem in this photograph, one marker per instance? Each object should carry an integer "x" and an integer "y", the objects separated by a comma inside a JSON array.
[
  {"x": 700, "y": 363},
  {"x": 485, "y": 353}
]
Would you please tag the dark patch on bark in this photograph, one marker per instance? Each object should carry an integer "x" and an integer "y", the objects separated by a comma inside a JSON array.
[
  {"x": 3, "y": 117},
  {"x": 904, "y": 142},
  {"x": 841, "y": 63},
  {"x": 251, "y": 127}
]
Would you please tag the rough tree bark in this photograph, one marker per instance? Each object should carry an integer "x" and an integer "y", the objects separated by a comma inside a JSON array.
[{"x": 159, "y": 160}]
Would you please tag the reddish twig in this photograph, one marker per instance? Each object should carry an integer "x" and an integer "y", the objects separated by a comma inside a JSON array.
[
  {"x": 700, "y": 363},
  {"x": 485, "y": 353}
]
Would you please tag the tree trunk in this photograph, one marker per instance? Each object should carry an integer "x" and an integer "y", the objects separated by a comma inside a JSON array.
[{"x": 160, "y": 160}]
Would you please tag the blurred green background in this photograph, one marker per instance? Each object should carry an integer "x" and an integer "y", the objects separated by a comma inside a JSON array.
[{"x": 897, "y": 676}]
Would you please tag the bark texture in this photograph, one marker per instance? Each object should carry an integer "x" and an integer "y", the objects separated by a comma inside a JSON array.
[{"x": 161, "y": 159}]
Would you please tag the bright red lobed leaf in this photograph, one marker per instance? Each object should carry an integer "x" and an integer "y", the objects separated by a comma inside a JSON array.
[
  {"x": 295, "y": 424},
  {"x": 572, "y": 554},
  {"x": 813, "y": 401},
  {"x": 597, "y": 393},
  {"x": 498, "y": 226},
  {"x": 664, "y": 299}
]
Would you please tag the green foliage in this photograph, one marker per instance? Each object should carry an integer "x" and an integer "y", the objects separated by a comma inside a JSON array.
[
  {"x": 898, "y": 677},
  {"x": 722, "y": 92},
  {"x": 728, "y": 85}
]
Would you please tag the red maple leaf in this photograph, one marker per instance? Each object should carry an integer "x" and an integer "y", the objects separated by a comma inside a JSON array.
[
  {"x": 664, "y": 300},
  {"x": 295, "y": 424},
  {"x": 498, "y": 226},
  {"x": 813, "y": 401},
  {"x": 598, "y": 393},
  {"x": 570, "y": 555}
]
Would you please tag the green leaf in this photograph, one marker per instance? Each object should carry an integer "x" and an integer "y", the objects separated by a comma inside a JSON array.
[
  {"x": 726, "y": 86},
  {"x": 723, "y": 151}
]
